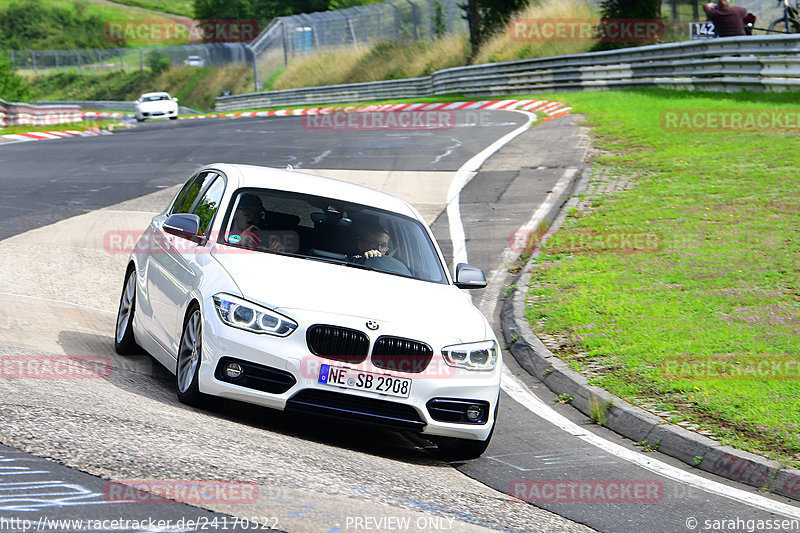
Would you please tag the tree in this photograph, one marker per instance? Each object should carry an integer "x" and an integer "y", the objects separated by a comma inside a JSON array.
[
  {"x": 12, "y": 87},
  {"x": 627, "y": 9},
  {"x": 261, "y": 10},
  {"x": 486, "y": 17},
  {"x": 630, "y": 9}
]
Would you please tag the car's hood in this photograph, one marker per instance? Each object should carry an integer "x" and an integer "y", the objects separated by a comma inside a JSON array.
[
  {"x": 156, "y": 105},
  {"x": 287, "y": 284}
]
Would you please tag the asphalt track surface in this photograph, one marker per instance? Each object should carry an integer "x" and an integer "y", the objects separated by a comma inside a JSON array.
[{"x": 51, "y": 181}]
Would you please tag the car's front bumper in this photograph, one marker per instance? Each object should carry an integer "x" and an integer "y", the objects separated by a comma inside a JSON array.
[{"x": 291, "y": 356}]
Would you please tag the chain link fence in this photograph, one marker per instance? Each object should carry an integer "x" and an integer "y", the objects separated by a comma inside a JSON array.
[
  {"x": 112, "y": 59},
  {"x": 394, "y": 20}
]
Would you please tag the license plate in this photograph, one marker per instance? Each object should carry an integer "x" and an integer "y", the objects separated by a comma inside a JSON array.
[
  {"x": 702, "y": 30},
  {"x": 347, "y": 378}
]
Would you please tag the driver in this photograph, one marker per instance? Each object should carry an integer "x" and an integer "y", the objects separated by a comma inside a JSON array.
[{"x": 373, "y": 240}]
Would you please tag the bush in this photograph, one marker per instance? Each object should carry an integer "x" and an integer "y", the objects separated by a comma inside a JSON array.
[
  {"x": 157, "y": 62},
  {"x": 12, "y": 87},
  {"x": 30, "y": 24}
]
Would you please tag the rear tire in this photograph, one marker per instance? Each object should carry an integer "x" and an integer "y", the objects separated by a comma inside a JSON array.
[
  {"x": 124, "y": 340},
  {"x": 190, "y": 355},
  {"x": 173, "y": 118}
]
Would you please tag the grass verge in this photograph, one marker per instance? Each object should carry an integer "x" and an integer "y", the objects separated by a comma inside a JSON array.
[{"x": 705, "y": 326}]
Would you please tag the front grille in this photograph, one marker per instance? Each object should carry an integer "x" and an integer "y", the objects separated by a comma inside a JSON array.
[
  {"x": 401, "y": 355},
  {"x": 455, "y": 410},
  {"x": 337, "y": 343},
  {"x": 258, "y": 377},
  {"x": 357, "y": 408}
]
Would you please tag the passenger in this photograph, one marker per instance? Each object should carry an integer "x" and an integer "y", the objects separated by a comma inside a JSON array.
[{"x": 248, "y": 220}]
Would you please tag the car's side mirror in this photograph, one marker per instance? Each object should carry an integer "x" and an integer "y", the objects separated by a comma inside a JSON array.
[
  {"x": 174, "y": 99},
  {"x": 183, "y": 225},
  {"x": 469, "y": 277}
]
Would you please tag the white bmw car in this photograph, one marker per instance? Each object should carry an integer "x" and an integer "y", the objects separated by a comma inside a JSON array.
[
  {"x": 298, "y": 292},
  {"x": 156, "y": 105}
]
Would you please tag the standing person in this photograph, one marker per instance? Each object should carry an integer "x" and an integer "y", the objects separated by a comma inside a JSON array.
[{"x": 728, "y": 20}]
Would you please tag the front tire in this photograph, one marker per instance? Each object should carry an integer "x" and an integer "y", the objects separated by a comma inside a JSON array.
[
  {"x": 452, "y": 449},
  {"x": 173, "y": 118},
  {"x": 190, "y": 355},
  {"x": 124, "y": 341}
]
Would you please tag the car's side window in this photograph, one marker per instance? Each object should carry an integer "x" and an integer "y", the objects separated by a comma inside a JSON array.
[
  {"x": 185, "y": 202},
  {"x": 177, "y": 201},
  {"x": 209, "y": 204}
]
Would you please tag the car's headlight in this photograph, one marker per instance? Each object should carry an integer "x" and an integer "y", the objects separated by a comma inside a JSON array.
[
  {"x": 472, "y": 356},
  {"x": 239, "y": 313}
]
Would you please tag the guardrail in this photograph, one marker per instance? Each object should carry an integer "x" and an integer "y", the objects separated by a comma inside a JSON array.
[
  {"x": 759, "y": 63},
  {"x": 109, "y": 105},
  {"x": 20, "y": 114}
]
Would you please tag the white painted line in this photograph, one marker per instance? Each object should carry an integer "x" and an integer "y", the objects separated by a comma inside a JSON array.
[
  {"x": 540, "y": 213},
  {"x": 492, "y": 293},
  {"x": 457, "y": 236},
  {"x": 522, "y": 395}
]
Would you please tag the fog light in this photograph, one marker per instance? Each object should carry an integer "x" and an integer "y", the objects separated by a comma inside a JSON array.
[
  {"x": 233, "y": 370},
  {"x": 474, "y": 412}
]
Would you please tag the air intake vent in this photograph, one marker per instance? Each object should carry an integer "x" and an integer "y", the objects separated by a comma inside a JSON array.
[
  {"x": 340, "y": 344},
  {"x": 401, "y": 355},
  {"x": 352, "y": 407}
]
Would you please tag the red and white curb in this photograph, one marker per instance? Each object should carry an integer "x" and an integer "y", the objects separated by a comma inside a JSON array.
[
  {"x": 44, "y": 135},
  {"x": 550, "y": 109},
  {"x": 103, "y": 114}
]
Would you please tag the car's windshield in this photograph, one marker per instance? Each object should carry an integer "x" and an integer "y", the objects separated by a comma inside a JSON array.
[
  {"x": 325, "y": 229},
  {"x": 153, "y": 98}
]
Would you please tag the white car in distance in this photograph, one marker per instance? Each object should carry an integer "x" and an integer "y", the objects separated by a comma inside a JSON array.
[
  {"x": 298, "y": 292},
  {"x": 194, "y": 61},
  {"x": 156, "y": 105}
]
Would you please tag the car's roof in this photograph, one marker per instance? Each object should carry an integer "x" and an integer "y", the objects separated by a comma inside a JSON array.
[
  {"x": 301, "y": 182},
  {"x": 156, "y": 94}
]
